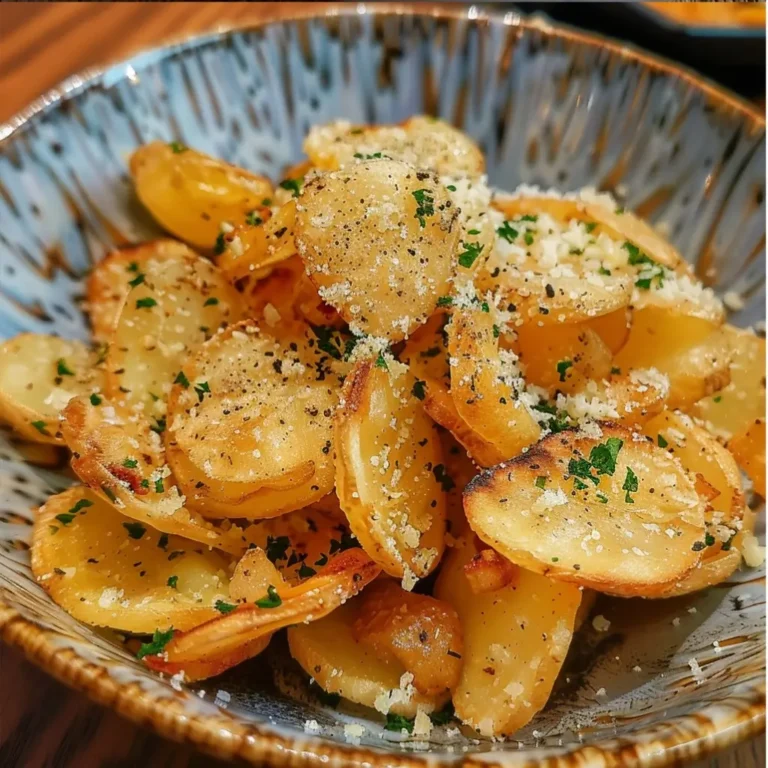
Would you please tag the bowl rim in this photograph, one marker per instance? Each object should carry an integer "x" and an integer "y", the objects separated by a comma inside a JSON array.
[{"x": 684, "y": 737}]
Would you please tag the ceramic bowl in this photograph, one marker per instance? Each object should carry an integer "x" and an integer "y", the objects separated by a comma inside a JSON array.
[{"x": 549, "y": 106}]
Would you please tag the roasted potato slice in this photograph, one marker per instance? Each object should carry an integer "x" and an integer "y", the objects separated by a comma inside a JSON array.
[
  {"x": 252, "y": 411},
  {"x": 379, "y": 240},
  {"x": 191, "y": 194},
  {"x": 179, "y": 303},
  {"x": 390, "y": 476},
  {"x": 735, "y": 407},
  {"x": 106, "y": 569},
  {"x": 515, "y": 642},
  {"x": 612, "y": 328},
  {"x": 113, "y": 277},
  {"x": 488, "y": 571},
  {"x": 422, "y": 142},
  {"x": 749, "y": 449},
  {"x": 39, "y": 374},
  {"x": 486, "y": 384},
  {"x": 563, "y": 357},
  {"x": 426, "y": 350},
  {"x": 615, "y": 514},
  {"x": 122, "y": 461},
  {"x": 228, "y": 640},
  {"x": 693, "y": 352}
]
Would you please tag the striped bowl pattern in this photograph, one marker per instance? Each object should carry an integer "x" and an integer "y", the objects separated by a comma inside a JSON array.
[{"x": 549, "y": 106}]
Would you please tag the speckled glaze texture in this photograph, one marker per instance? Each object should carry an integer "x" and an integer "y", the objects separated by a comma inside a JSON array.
[{"x": 549, "y": 107}]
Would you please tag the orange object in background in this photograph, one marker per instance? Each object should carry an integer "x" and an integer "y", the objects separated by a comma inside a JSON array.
[{"x": 713, "y": 14}]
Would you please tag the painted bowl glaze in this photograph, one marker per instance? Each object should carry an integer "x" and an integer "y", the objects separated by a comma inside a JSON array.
[{"x": 549, "y": 106}]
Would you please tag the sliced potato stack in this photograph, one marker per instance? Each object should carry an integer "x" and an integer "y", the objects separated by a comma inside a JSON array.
[
  {"x": 39, "y": 375},
  {"x": 177, "y": 304},
  {"x": 109, "y": 570},
  {"x": 515, "y": 641},
  {"x": 378, "y": 239},
  {"x": 606, "y": 514},
  {"x": 388, "y": 649},
  {"x": 191, "y": 194},
  {"x": 390, "y": 475},
  {"x": 250, "y": 424}
]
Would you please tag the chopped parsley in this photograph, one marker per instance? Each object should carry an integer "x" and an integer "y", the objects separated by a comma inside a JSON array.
[
  {"x": 211, "y": 301},
  {"x": 562, "y": 367},
  {"x": 469, "y": 256},
  {"x": 159, "y": 485},
  {"x": 425, "y": 205},
  {"x": 419, "y": 389},
  {"x": 496, "y": 331},
  {"x": 529, "y": 217},
  {"x": 277, "y": 547},
  {"x": 130, "y": 463},
  {"x": 223, "y": 607},
  {"x": 135, "y": 530},
  {"x": 177, "y": 147},
  {"x": 220, "y": 245},
  {"x": 398, "y": 723},
  {"x": 615, "y": 371},
  {"x": 181, "y": 379},
  {"x": 590, "y": 226},
  {"x": 138, "y": 280},
  {"x": 620, "y": 210},
  {"x": 381, "y": 362},
  {"x": 507, "y": 232},
  {"x": 347, "y": 541},
  {"x": 159, "y": 641},
  {"x": 323, "y": 560},
  {"x": 630, "y": 486},
  {"x": 528, "y": 237},
  {"x": 443, "y": 716},
  {"x": 709, "y": 540},
  {"x": 132, "y": 267},
  {"x": 445, "y": 301},
  {"x": 252, "y": 219},
  {"x": 603, "y": 456},
  {"x": 604, "y": 271},
  {"x": 158, "y": 426},
  {"x": 145, "y": 303},
  {"x": 95, "y": 399},
  {"x": 292, "y": 185},
  {"x": 172, "y": 581},
  {"x": 40, "y": 427},
  {"x": 451, "y": 188},
  {"x": 62, "y": 369},
  {"x": 271, "y": 600},
  {"x": 305, "y": 571},
  {"x": 661, "y": 441},
  {"x": 202, "y": 389},
  {"x": 327, "y": 340},
  {"x": 541, "y": 482},
  {"x": 717, "y": 398}
]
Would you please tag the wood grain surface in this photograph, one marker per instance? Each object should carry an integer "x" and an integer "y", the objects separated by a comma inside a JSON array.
[{"x": 42, "y": 723}]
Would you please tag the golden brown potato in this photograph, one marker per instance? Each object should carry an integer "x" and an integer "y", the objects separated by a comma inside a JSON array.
[
  {"x": 421, "y": 633},
  {"x": 515, "y": 642},
  {"x": 733, "y": 408},
  {"x": 693, "y": 352},
  {"x": 379, "y": 240},
  {"x": 250, "y": 411},
  {"x": 488, "y": 571},
  {"x": 615, "y": 514},
  {"x": 253, "y": 576},
  {"x": 329, "y": 652},
  {"x": 191, "y": 194},
  {"x": 426, "y": 350},
  {"x": 239, "y": 634},
  {"x": 39, "y": 374},
  {"x": 113, "y": 277},
  {"x": 749, "y": 449},
  {"x": 122, "y": 462},
  {"x": 486, "y": 383},
  {"x": 390, "y": 476},
  {"x": 181, "y": 302},
  {"x": 612, "y": 328},
  {"x": 106, "y": 569},
  {"x": 423, "y": 142}
]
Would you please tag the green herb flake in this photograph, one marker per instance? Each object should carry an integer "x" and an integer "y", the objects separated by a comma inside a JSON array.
[
  {"x": 253, "y": 219},
  {"x": 130, "y": 463},
  {"x": 138, "y": 280},
  {"x": 146, "y": 303},
  {"x": 40, "y": 427},
  {"x": 419, "y": 390},
  {"x": 590, "y": 226},
  {"x": 159, "y": 641},
  {"x": 95, "y": 399},
  {"x": 444, "y": 716},
  {"x": 662, "y": 441},
  {"x": 619, "y": 211},
  {"x": 507, "y": 232},
  {"x": 177, "y": 147},
  {"x": 631, "y": 485},
  {"x": 223, "y": 607},
  {"x": 562, "y": 367},
  {"x": 603, "y": 456},
  {"x": 528, "y": 237},
  {"x": 159, "y": 485},
  {"x": 65, "y": 518},
  {"x": 135, "y": 530},
  {"x": 541, "y": 482},
  {"x": 717, "y": 398},
  {"x": 181, "y": 379},
  {"x": 63, "y": 369},
  {"x": 451, "y": 188},
  {"x": 604, "y": 271},
  {"x": 172, "y": 581},
  {"x": 211, "y": 301},
  {"x": 615, "y": 371},
  {"x": 202, "y": 389},
  {"x": 709, "y": 540},
  {"x": 327, "y": 340},
  {"x": 323, "y": 560},
  {"x": 305, "y": 571},
  {"x": 381, "y": 362},
  {"x": 220, "y": 245},
  {"x": 277, "y": 547},
  {"x": 271, "y": 600},
  {"x": 398, "y": 723},
  {"x": 496, "y": 331},
  {"x": 555, "y": 559},
  {"x": 132, "y": 267},
  {"x": 425, "y": 205},
  {"x": 158, "y": 426},
  {"x": 445, "y": 301},
  {"x": 292, "y": 185},
  {"x": 470, "y": 253},
  {"x": 144, "y": 483},
  {"x": 601, "y": 497}
]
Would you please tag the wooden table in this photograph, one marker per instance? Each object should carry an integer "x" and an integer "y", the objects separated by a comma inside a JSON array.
[{"x": 42, "y": 723}]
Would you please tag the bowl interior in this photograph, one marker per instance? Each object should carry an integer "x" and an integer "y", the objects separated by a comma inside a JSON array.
[{"x": 549, "y": 108}]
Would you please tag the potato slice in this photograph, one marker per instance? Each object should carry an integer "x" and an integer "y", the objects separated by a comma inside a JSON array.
[
  {"x": 254, "y": 574},
  {"x": 265, "y": 239},
  {"x": 178, "y": 305},
  {"x": 615, "y": 514},
  {"x": 422, "y": 142},
  {"x": 122, "y": 462},
  {"x": 515, "y": 641},
  {"x": 734, "y": 407},
  {"x": 390, "y": 476},
  {"x": 106, "y": 569},
  {"x": 251, "y": 411},
  {"x": 113, "y": 277},
  {"x": 488, "y": 571},
  {"x": 486, "y": 384},
  {"x": 227, "y": 640},
  {"x": 426, "y": 350},
  {"x": 693, "y": 352},
  {"x": 420, "y": 632},
  {"x": 563, "y": 357},
  {"x": 190, "y": 194},
  {"x": 613, "y": 328},
  {"x": 379, "y": 240},
  {"x": 39, "y": 374},
  {"x": 749, "y": 449},
  {"x": 329, "y": 652}
]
